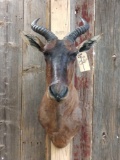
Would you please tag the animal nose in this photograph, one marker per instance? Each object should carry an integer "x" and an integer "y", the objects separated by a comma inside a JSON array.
[{"x": 58, "y": 91}]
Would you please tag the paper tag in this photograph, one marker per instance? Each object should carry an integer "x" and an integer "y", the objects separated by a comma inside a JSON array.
[{"x": 83, "y": 62}]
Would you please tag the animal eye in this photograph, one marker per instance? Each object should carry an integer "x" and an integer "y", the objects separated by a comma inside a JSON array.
[
  {"x": 73, "y": 55},
  {"x": 47, "y": 56}
]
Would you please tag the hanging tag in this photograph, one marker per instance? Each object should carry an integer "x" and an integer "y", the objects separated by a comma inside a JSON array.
[{"x": 83, "y": 62}]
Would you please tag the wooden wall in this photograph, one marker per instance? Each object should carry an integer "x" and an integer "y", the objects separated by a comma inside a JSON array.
[
  {"x": 22, "y": 76},
  {"x": 33, "y": 86},
  {"x": 11, "y": 21},
  {"x": 82, "y": 146},
  {"x": 106, "y": 113}
]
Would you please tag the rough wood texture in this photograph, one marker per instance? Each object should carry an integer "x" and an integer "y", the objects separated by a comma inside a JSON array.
[
  {"x": 10, "y": 79},
  {"x": 33, "y": 137},
  {"x": 84, "y": 84},
  {"x": 25, "y": 139},
  {"x": 106, "y": 114},
  {"x": 63, "y": 153},
  {"x": 60, "y": 25}
]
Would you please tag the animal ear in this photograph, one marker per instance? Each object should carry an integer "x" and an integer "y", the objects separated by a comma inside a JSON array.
[
  {"x": 86, "y": 45},
  {"x": 32, "y": 40}
]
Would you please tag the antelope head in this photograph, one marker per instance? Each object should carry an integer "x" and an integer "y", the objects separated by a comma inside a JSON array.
[{"x": 59, "y": 56}]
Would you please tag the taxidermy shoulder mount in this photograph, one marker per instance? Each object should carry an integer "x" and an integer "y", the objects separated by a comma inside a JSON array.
[{"x": 60, "y": 113}]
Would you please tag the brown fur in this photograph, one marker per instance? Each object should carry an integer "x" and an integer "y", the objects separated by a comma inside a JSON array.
[{"x": 61, "y": 120}]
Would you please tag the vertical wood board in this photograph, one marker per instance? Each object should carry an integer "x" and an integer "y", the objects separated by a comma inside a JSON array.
[
  {"x": 61, "y": 153},
  {"x": 11, "y": 22},
  {"x": 60, "y": 17},
  {"x": 84, "y": 84},
  {"x": 106, "y": 114},
  {"x": 33, "y": 86}
]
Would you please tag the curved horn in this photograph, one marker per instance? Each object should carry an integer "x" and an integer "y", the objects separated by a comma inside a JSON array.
[
  {"x": 42, "y": 31},
  {"x": 78, "y": 31}
]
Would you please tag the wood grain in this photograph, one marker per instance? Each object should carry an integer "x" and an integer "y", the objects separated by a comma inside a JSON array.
[
  {"x": 106, "y": 114},
  {"x": 10, "y": 79},
  {"x": 82, "y": 146},
  {"x": 61, "y": 153},
  {"x": 60, "y": 17},
  {"x": 33, "y": 86}
]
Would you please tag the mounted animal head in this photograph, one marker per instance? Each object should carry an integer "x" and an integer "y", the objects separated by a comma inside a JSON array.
[{"x": 59, "y": 56}]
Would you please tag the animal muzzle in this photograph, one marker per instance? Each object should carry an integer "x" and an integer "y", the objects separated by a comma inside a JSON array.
[{"x": 58, "y": 91}]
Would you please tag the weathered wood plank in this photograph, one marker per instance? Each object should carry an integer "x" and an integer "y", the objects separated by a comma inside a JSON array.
[
  {"x": 84, "y": 83},
  {"x": 11, "y": 22},
  {"x": 106, "y": 115},
  {"x": 61, "y": 153},
  {"x": 33, "y": 137},
  {"x": 60, "y": 25}
]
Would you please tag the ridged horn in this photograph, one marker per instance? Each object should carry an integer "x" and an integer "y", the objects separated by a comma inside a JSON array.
[
  {"x": 48, "y": 35},
  {"x": 78, "y": 31}
]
